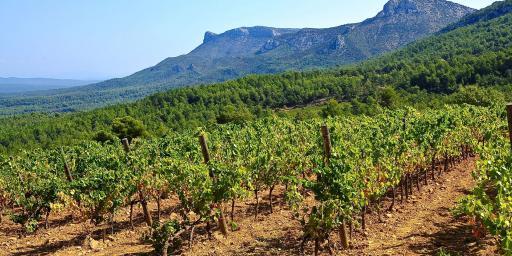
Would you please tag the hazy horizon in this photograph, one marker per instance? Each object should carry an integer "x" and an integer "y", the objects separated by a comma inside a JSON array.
[{"x": 97, "y": 40}]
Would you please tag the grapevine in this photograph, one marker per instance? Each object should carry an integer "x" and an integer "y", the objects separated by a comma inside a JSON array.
[{"x": 349, "y": 164}]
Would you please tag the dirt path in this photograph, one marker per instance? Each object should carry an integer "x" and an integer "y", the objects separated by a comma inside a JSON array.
[
  {"x": 424, "y": 225},
  {"x": 421, "y": 226}
]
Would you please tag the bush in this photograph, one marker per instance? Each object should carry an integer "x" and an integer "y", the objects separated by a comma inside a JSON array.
[
  {"x": 161, "y": 233},
  {"x": 104, "y": 137}
]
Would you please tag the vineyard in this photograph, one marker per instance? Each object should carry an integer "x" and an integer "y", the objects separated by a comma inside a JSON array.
[{"x": 347, "y": 164}]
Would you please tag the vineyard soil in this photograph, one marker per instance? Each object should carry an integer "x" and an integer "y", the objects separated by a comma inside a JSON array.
[
  {"x": 425, "y": 224},
  {"x": 421, "y": 226}
]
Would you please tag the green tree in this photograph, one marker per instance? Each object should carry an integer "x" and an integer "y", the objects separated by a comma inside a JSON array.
[
  {"x": 104, "y": 136},
  {"x": 388, "y": 97},
  {"x": 128, "y": 127},
  {"x": 332, "y": 108},
  {"x": 478, "y": 96},
  {"x": 232, "y": 114}
]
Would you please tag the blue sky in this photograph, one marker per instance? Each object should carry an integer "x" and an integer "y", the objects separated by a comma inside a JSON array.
[{"x": 98, "y": 39}]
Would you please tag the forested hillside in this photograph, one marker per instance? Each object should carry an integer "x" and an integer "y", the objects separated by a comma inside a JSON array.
[
  {"x": 427, "y": 73},
  {"x": 256, "y": 50}
]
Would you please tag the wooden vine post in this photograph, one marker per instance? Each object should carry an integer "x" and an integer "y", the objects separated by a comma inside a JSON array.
[
  {"x": 406, "y": 176},
  {"x": 327, "y": 143},
  {"x": 206, "y": 155},
  {"x": 509, "y": 119},
  {"x": 142, "y": 198},
  {"x": 69, "y": 177},
  {"x": 126, "y": 145},
  {"x": 327, "y": 154}
]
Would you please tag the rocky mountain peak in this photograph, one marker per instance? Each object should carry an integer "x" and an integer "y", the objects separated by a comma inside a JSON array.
[
  {"x": 208, "y": 36},
  {"x": 397, "y": 7},
  {"x": 255, "y": 32},
  {"x": 238, "y": 42}
]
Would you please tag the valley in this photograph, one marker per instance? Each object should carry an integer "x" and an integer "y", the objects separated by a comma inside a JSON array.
[{"x": 14, "y": 85}]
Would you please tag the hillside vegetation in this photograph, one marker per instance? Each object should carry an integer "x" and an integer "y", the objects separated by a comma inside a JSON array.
[{"x": 434, "y": 71}]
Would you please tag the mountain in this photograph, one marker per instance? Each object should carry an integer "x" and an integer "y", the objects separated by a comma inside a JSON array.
[
  {"x": 399, "y": 23},
  {"x": 20, "y": 85},
  {"x": 258, "y": 50},
  {"x": 427, "y": 73}
]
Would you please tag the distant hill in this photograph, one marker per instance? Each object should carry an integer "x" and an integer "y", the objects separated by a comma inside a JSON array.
[
  {"x": 258, "y": 50},
  {"x": 20, "y": 85}
]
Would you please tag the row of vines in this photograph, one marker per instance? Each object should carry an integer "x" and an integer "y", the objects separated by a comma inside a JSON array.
[
  {"x": 490, "y": 203},
  {"x": 349, "y": 164}
]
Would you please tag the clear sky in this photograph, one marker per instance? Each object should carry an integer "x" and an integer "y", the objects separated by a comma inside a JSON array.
[{"x": 98, "y": 39}]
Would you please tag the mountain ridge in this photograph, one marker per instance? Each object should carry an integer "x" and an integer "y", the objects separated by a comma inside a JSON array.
[{"x": 495, "y": 10}]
